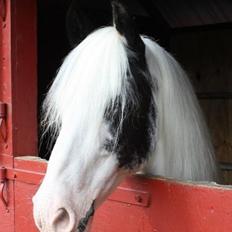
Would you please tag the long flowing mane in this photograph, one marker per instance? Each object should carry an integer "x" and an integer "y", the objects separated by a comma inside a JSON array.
[
  {"x": 119, "y": 104},
  {"x": 87, "y": 83},
  {"x": 184, "y": 149}
]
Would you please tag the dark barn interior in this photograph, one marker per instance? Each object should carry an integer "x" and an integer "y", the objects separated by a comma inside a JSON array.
[{"x": 198, "y": 33}]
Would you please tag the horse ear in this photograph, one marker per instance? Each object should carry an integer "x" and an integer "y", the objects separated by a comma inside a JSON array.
[{"x": 125, "y": 25}]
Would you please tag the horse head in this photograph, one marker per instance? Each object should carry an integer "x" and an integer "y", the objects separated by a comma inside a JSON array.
[
  {"x": 119, "y": 104},
  {"x": 101, "y": 107}
]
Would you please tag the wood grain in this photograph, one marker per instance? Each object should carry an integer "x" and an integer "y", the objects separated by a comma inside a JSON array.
[{"x": 207, "y": 56}]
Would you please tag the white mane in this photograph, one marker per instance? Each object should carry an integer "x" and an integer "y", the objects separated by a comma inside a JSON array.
[
  {"x": 184, "y": 149},
  {"x": 94, "y": 74}
]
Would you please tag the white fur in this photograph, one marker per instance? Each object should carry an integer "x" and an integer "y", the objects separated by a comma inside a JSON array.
[
  {"x": 184, "y": 149},
  {"x": 91, "y": 78},
  {"x": 87, "y": 82},
  {"x": 79, "y": 170}
]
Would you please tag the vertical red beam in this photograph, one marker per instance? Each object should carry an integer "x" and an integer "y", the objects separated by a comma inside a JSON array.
[
  {"x": 6, "y": 147},
  {"x": 18, "y": 89},
  {"x": 5, "y": 81},
  {"x": 18, "y": 78},
  {"x": 24, "y": 77}
]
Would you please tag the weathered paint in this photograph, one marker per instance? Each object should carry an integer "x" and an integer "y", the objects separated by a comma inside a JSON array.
[
  {"x": 24, "y": 77},
  {"x": 7, "y": 215},
  {"x": 6, "y": 81},
  {"x": 18, "y": 89},
  {"x": 18, "y": 71},
  {"x": 139, "y": 204},
  {"x": 6, "y": 158},
  {"x": 174, "y": 206},
  {"x": 165, "y": 205},
  {"x": 23, "y": 207}
]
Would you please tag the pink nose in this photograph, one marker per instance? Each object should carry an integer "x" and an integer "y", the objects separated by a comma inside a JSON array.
[
  {"x": 63, "y": 221},
  {"x": 49, "y": 220}
]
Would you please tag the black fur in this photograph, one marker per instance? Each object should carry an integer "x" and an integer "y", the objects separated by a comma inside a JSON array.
[
  {"x": 125, "y": 25},
  {"x": 134, "y": 137}
]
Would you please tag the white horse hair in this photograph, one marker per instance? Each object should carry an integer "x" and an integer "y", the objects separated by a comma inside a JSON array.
[
  {"x": 88, "y": 82},
  {"x": 184, "y": 149},
  {"x": 120, "y": 103}
]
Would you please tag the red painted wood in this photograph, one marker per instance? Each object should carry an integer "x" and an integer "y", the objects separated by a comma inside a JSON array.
[
  {"x": 7, "y": 215},
  {"x": 24, "y": 77},
  {"x": 131, "y": 196},
  {"x": 173, "y": 207},
  {"x": 5, "y": 79},
  {"x": 34, "y": 164},
  {"x": 169, "y": 206},
  {"x": 23, "y": 207},
  {"x": 18, "y": 76},
  {"x": 25, "y": 176},
  {"x": 6, "y": 160},
  {"x": 6, "y": 148},
  {"x": 18, "y": 89}
]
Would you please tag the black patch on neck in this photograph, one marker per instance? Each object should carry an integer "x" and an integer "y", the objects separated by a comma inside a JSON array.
[{"x": 135, "y": 136}]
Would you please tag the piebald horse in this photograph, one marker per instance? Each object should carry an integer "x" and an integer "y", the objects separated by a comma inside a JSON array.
[{"x": 119, "y": 104}]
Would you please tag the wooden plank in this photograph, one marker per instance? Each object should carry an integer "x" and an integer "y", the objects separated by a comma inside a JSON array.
[
  {"x": 206, "y": 56},
  {"x": 5, "y": 77},
  {"x": 23, "y": 207},
  {"x": 7, "y": 215},
  {"x": 131, "y": 197},
  {"x": 18, "y": 89},
  {"x": 30, "y": 163},
  {"x": 195, "y": 13},
  {"x": 6, "y": 159},
  {"x": 25, "y": 176},
  {"x": 186, "y": 206},
  {"x": 175, "y": 207},
  {"x": 218, "y": 115},
  {"x": 18, "y": 73},
  {"x": 24, "y": 77}
]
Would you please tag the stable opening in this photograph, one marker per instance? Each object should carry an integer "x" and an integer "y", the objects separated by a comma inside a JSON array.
[{"x": 200, "y": 42}]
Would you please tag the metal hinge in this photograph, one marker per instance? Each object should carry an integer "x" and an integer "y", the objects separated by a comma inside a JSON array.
[{"x": 3, "y": 121}]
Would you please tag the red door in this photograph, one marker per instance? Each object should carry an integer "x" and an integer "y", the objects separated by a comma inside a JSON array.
[
  {"x": 138, "y": 205},
  {"x": 18, "y": 94}
]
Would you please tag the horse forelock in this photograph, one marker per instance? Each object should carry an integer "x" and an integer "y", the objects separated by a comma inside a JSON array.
[{"x": 102, "y": 82}]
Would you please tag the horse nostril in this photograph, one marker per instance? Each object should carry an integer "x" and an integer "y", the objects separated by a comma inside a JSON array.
[{"x": 64, "y": 220}]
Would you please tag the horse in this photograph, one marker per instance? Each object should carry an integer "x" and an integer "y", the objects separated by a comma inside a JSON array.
[{"x": 119, "y": 104}]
